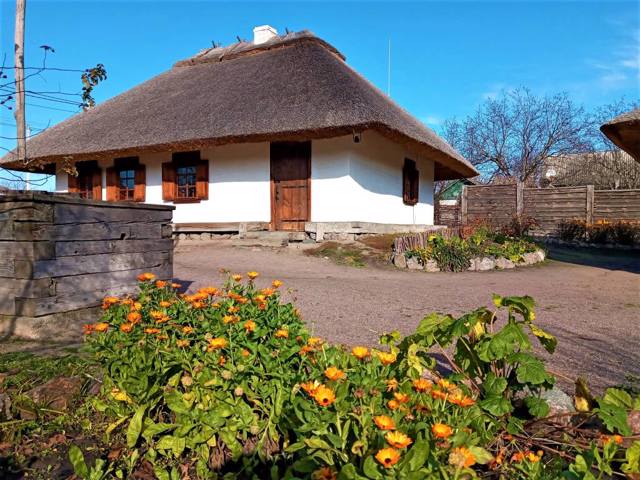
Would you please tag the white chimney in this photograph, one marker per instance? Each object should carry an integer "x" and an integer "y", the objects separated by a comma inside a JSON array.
[{"x": 263, "y": 34}]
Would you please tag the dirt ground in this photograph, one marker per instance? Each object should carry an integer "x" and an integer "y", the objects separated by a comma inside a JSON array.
[{"x": 591, "y": 302}]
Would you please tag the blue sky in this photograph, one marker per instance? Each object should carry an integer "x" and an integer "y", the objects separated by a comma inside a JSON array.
[{"x": 446, "y": 57}]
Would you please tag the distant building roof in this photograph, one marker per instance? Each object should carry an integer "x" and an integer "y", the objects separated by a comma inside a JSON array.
[{"x": 624, "y": 131}]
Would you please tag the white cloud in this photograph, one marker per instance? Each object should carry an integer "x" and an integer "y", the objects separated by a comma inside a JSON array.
[{"x": 432, "y": 120}]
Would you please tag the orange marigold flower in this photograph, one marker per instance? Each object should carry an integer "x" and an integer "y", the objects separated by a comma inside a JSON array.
[
  {"x": 393, "y": 404},
  {"x": 324, "y": 473},
  {"x": 282, "y": 333},
  {"x": 134, "y": 317},
  {"x": 183, "y": 343},
  {"x": 217, "y": 343},
  {"x": 387, "y": 358},
  {"x": 384, "y": 423},
  {"x": 401, "y": 397},
  {"x": 441, "y": 430},
  {"x": 422, "y": 385},
  {"x": 360, "y": 352},
  {"x": 236, "y": 277},
  {"x": 221, "y": 360},
  {"x": 249, "y": 326},
  {"x": 176, "y": 285},
  {"x": 187, "y": 330},
  {"x": 438, "y": 394},
  {"x": 310, "y": 387},
  {"x": 245, "y": 353},
  {"x": 126, "y": 327},
  {"x": 306, "y": 349},
  {"x": 333, "y": 373},
  {"x": 517, "y": 457},
  {"x": 101, "y": 327},
  {"x": 532, "y": 457},
  {"x": 392, "y": 385},
  {"x": 252, "y": 275},
  {"x": 87, "y": 329},
  {"x": 233, "y": 309},
  {"x": 462, "y": 401},
  {"x": 398, "y": 439},
  {"x": 156, "y": 315},
  {"x": 276, "y": 284},
  {"x": 163, "y": 319},
  {"x": 388, "y": 457},
  {"x": 446, "y": 385},
  {"x": 146, "y": 277},
  {"x": 267, "y": 292},
  {"x": 163, "y": 336},
  {"x": 151, "y": 330},
  {"x": 324, "y": 396},
  {"x": 126, "y": 301},
  {"x": 227, "y": 319},
  {"x": 605, "y": 439},
  {"x": 461, "y": 457},
  {"x": 137, "y": 306},
  {"x": 210, "y": 291},
  {"x": 315, "y": 341},
  {"x": 108, "y": 301},
  {"x": 165, "y": 304},
  {"x": 161, "y": 284},
  {"x": 197, "y": 305}
]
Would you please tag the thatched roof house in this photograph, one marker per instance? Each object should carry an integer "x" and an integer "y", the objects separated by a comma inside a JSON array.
[
  {"x": 624, "y": 131},
  {"x": 288, "y": 88}
]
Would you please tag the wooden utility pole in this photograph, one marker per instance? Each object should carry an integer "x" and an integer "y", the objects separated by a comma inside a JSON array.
[{"x": 19, "y": 76}]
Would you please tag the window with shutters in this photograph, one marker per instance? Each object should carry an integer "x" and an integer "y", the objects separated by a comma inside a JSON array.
[
  {"x": 410, "y": 182},
  {"x": 186, "y": 178},
  {"x": 88, "y": 183},
  {"x": 126, "y": 180}
]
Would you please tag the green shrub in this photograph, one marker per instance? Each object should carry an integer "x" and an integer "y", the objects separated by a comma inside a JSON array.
[
  {"x": 228, "y": 383},
  {"x": 623, "y": 232}
]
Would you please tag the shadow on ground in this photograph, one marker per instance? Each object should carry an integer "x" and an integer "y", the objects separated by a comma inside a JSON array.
[{"x": 611, "y": 259}]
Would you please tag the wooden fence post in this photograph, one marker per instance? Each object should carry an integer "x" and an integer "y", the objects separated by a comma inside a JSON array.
[
  {"x": 463, "y": 206},
  {"x": 590, "y": 199},
  {"x": 519, "y": 199}
]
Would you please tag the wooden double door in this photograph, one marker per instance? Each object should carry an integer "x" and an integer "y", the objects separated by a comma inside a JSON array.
[{"x": 290, "y": 185}]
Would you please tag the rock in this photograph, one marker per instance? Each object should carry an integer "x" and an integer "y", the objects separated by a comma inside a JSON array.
[
  {"x": 559, "y": 402},
  {"x": 414, "y": 264},
  {"x": 633, "y": 419},
  {"x": 205, "y": 236},
  {"x": 503, "y": 263},
  {"x": 57, "y": 394},
  {"x": 541, "y": 255},
  {"x": 399, "y": 260},
  {"x": 483, "y": 264},
  {"x": 530, "y": 258},
  {"x": 431, "y": 266}
]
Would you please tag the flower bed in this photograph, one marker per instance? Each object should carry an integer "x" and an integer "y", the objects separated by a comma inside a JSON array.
[
  {"x": 228, "y": 383},
  {"x": 482, "y": 249}
]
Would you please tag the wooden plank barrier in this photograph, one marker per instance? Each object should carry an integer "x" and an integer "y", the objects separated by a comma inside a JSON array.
[{"x": 60, "y": 255}]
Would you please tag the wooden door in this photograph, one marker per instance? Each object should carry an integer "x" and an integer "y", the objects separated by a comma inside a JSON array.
[{"x": 290, "y": 185}]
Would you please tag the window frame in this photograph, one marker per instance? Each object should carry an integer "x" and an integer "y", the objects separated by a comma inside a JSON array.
[
  {"x": 410, "y": 182},
  {"x": 189, "y": 159}
]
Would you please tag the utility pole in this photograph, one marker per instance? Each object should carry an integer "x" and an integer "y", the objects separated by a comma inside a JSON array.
[{"x": 19, "y": 76}]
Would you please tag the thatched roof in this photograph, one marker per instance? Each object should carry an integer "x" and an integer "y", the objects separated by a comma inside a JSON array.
[
  {"x": 291, "y": 87},
  {"x": 624, "y": 131}
]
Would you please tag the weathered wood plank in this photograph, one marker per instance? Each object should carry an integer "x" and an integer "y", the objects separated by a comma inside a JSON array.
[
  {"x": 65, "y": 266},
  {"x": 29, "y": 288},
  {"x": 23, "y": 211},
  {"x": 37, "y": 250},
  {"x": 93, "y": 247},
  {"x": 97, "y": 281},
  {"x": 25, "y": 231},
  {"x": 70, "y": 213},
  {"x": 7, "y": 267}
]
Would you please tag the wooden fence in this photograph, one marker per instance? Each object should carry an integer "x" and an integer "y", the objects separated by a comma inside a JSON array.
[
  {"x": 60, "y": 255},
  {"x": 499, "y": 204}
]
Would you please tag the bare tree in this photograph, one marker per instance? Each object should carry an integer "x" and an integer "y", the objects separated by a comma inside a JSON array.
[{"x": 513, "y": 135}]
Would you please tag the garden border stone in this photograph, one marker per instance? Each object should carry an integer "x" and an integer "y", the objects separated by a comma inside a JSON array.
[{"x": 478, "y": 264}]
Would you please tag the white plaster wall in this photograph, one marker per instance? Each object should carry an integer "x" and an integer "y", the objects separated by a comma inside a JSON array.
[
  {"x": 363, "y": 182},
  {"x": 349, "y": 182}
]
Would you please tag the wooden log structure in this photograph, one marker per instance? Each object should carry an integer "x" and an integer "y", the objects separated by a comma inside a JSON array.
[{"x": 60, "y": 255}]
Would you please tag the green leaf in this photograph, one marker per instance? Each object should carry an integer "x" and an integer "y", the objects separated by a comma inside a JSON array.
[
  {"x": 482, "y": 456},
  {"x": 496, "y": 405},
  {"x": 153, "y": 429},
  {"x": 370, "y": 469},
  {"x": 417, "y": 455},
  {"x": 538, "y": 407},
  {"x": 135, "y": 427},
  {"x": 548, "y": 341},
  {"x": 505, "y": 342},
  {"x": 530, "y": 369},
  {"x": 632, "y": 457},
  {"x": 77, "y": 461},
  {"x": 494, "y": 385},
  {"x": 349, "y": 472},
  {"x": 620, "y": 398},
  {"x": 614, "y": 417},
  {"x": 175, "y": 444}
]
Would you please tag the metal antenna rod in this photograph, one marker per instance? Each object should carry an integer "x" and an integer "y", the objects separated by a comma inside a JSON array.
[{"x": 389, "y": 71}]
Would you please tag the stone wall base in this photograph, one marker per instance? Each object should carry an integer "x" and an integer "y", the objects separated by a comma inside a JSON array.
[
  {"x": 345, "y": 231},
  {"x": 57, "y": 327}
]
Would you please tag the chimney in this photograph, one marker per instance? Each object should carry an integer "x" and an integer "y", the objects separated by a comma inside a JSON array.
[{"x": 263, "y": 34}]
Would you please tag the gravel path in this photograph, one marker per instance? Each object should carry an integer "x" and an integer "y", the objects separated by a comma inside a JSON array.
[{"x": 594, "y": 312}]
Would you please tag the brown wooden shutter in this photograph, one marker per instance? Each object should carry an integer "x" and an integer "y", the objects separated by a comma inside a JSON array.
[
  {"x": 410, "y": 182},
  {"x": 168, "y": 182},
  {"x": 96, "y": 183},
  {"x": 72, "y": 183},
  {"x": 140, "y": 183},
  {"x": 202, "y": 179},
  {"x": 112, "y": 184}
]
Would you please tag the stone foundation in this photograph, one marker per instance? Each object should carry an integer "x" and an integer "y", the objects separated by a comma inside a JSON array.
[{"x": 478, "y": 264}]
